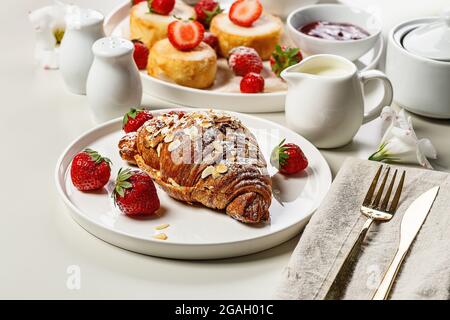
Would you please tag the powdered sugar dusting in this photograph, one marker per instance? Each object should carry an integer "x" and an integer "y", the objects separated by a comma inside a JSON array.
[{"x": 235, "y": 52}]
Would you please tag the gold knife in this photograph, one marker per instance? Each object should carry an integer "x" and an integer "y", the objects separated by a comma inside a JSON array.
[{"x": 412, "y": 220}]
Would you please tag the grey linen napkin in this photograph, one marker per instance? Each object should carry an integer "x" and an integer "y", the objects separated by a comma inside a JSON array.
[{"x": 329, "y": 235}]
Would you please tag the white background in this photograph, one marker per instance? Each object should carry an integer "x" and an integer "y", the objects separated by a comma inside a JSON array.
[{"x": 38, "y": 239}]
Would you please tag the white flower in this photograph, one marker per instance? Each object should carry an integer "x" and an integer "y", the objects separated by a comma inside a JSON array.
[
  {"x": 400, "y": 143},
  {"x": 49, "y": 26}
]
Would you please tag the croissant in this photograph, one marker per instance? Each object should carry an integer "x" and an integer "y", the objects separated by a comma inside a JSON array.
[{"x": 204, "y": 157}]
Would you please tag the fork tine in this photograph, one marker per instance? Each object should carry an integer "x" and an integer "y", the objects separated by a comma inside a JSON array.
[
  {"x": 381, "y": 189},
  {"x": 369, "y": 195},
  {"x": 397, "y": 195},
  {"x": 388, "y": 193}
]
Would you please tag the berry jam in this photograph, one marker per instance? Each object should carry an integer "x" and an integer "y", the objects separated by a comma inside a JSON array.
[{"x": 334, "y": 31}]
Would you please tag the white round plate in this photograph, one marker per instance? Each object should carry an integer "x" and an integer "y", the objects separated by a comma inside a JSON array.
[
  {"x": 195, "y": 232},
  {"x": 224, "y": 95}
]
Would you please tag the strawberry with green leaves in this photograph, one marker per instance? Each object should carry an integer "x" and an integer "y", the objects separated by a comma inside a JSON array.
[
  {"x": 206, "y": 10},
  {"x": 135, "y": 193},
  {"x": 288, "y": 158},
  {"x": 244, "y": 12},
  {"x": 134, "y": 119},
  {"x": 90, "y": 171},
  {"x": 284, "y": 57}
]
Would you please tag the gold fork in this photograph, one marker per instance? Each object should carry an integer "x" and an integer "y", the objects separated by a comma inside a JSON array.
[{"x": 375, "y": 209}]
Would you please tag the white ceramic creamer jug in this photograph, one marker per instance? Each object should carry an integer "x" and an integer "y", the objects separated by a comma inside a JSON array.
[
  {"x": 114, "y": 84},
  {"x": 83, "y": 28},
  {"x": 325, "y": 99}
]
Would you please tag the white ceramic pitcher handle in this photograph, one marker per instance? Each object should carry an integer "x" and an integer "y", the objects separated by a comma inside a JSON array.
[{"x": 368, "y": 75}]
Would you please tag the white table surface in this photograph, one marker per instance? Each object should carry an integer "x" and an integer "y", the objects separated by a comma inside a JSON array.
[{"x": 38, "y": 239}]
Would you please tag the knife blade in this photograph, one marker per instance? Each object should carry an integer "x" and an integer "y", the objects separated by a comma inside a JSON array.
[{"x": 412, "y": 221}]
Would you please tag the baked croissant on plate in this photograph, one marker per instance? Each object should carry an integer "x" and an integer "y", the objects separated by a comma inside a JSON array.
[{"x": 204, "y": 157}]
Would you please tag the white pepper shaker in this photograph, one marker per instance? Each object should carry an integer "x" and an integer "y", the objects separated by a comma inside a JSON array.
[
  {"x": 83, "y": 28},
  {"x": 114, "y": 84}
]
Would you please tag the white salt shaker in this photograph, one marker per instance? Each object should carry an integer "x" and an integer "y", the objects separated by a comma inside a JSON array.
[
  {"x": 83, "y": 28},
  {"x": 114, "y": 85}
]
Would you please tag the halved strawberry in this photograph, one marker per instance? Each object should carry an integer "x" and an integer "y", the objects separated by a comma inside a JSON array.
[
  {"x": 185, "y": 35},
  {"x": 245, "y": 12}
]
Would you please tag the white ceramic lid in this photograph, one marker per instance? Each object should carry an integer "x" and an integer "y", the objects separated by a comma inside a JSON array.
[
  {"x": 432, "y": 40},
  {"x": 111, "y": 47},
  {"x": 78, "y": 18}
]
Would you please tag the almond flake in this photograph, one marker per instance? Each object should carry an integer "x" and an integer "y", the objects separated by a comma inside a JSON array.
[
  {"x": 149, "y": 128},
  {"x": 218, "y": 146},
  {"x": 162, "y": 226},
  {"x": 160, "y": 236},
  {"x": 206, "y": 124},
  {"x": 156, "y": 141},
  {"x": 223, "y": 119},
  {"x": 208, "y": 171},
  {"x": 168, "y": 120},
  {"x": 215, "y": 174},
  {"x": 174, "y": 145},
  {"x": 221, "y": 168},
  {"x": 169, "y": 138},
  {"x": 192, "y": 132},
  {"x": 158, "y": 149},
  {"x": 173, "y": 182},
  {"x": 147, "y": 142}
]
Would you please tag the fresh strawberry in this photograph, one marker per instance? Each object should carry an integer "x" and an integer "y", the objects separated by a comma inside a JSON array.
[
  {"x": 90, "y": 171},
  {"x": 185, "y": 35},
  {"x": 245, "y": 12},
  {"x": 284, "y": 57},
  {"x": 243, "y": 60},
  {"x": 206, "y": 10},
  {"x": 135, "y": 194},
  {"x": 212, "y": 41},
  {"x": 135, "y": 2},
  {"x": 252, "y": 83},
  {"x": 134, "y": 119},
  {"x": 140, "y": 54},
  {"x": 288, "y": 158},
  {"x": 163, "y": 7}
]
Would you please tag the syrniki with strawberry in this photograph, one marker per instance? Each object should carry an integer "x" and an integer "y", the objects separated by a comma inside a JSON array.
[
  {"x": 246, "y": 24},
  {"x": 149, "y": 19},
  {"x": 204, "y": 47},
  {"x": 183, "y": 57}
]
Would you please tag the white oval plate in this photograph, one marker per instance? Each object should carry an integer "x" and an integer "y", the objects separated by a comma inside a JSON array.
[
  {"x": 195, "y": 232},
  {"x": 117, "y": 24}
]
